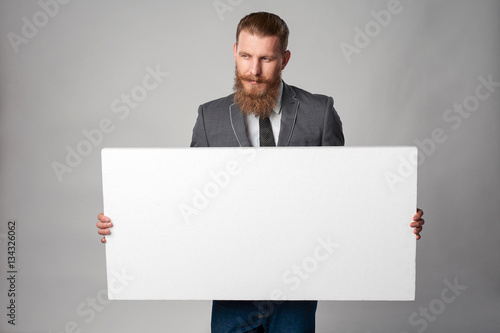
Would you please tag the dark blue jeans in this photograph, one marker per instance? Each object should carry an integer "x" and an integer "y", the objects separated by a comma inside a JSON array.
[{"x": 263, "y": 316}]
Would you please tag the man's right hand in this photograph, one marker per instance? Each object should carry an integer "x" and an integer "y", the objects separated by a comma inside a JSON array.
[{"x": 104, "y": 224}]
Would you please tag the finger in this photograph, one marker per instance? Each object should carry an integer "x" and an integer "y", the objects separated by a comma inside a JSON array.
[
  {"x": 418, "y": 215},
  {"x": 103, "y": 231},
  {"x": 418, "y": 237},
  {"x": 416, "y": 224},
  {"x": 103, "y": 240},
  {"x": 417, "y": 231},
  {"x": 104, "y": 225},
  {"x": 103, "y": 218}
]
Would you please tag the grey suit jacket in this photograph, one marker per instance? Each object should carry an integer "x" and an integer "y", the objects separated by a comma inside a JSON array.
[{"x": 307, "y": 120}]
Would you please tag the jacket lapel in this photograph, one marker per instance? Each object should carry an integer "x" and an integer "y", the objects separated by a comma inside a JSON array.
[
  {"x": 238, "y": 124},
  {"x": 289, "y": 108}
]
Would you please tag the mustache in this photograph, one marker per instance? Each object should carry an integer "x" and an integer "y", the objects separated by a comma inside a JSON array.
[{"x": 258, "y": 79}]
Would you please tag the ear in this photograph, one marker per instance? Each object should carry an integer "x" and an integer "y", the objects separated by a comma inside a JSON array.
[
  {"x": 235, "y": 49},
  {"x": 286, "y": 58}
]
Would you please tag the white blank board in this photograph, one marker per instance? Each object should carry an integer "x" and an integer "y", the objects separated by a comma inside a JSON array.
[{"x": 305, "y": 223}]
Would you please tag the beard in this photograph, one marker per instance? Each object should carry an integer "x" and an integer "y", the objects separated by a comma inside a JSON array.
[{"x": 256, "y": 101}]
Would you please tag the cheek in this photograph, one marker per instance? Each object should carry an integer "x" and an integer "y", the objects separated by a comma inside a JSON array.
[
  {"x": 241, "y": 67},
  {"x": 271, "y": 71}
]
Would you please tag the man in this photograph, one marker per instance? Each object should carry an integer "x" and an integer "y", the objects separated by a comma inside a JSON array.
[{"x": 265, "y": 111}]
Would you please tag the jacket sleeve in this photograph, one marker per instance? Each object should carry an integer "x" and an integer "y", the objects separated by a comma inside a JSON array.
[
  {"x": 332, "y": 126},
  {"x": 199, "y": 138}
]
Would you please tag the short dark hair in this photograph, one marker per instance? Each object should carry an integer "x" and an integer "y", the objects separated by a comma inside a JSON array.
[{"x": 265, "y": 24}]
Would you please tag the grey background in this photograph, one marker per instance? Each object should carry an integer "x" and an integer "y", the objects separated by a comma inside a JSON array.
[{"x": 394, "y": 92}]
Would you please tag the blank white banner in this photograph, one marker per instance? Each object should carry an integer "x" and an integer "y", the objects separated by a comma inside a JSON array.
[{"x": 305, "y": 223}]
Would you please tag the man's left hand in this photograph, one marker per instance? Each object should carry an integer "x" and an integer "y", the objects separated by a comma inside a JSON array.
[{"x": 418, "y": 223}]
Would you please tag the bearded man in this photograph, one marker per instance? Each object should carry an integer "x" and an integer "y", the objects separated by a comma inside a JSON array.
[
  {"x": 262, "y": 101},
  {"x": 265, "y": 111}
]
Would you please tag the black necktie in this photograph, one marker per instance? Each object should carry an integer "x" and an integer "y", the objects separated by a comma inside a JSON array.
[{"x": 266, "y": 137}]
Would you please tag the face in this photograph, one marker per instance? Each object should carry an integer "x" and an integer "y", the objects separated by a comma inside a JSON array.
[
  {"x": 258, "y": 60},
  {"x": 259, "y": 63}
]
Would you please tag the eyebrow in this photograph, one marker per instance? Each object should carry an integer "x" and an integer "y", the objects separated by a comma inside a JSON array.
[{"x": 263, "y": 56}]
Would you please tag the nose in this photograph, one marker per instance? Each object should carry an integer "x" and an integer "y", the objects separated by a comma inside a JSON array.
[{"x": 255, "y": 67}]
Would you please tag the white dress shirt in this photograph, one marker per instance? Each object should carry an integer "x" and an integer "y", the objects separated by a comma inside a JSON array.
[{"x": 252, "y": 123}]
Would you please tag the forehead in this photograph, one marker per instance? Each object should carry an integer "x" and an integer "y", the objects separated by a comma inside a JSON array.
[{"x": 254, "y": 44}]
